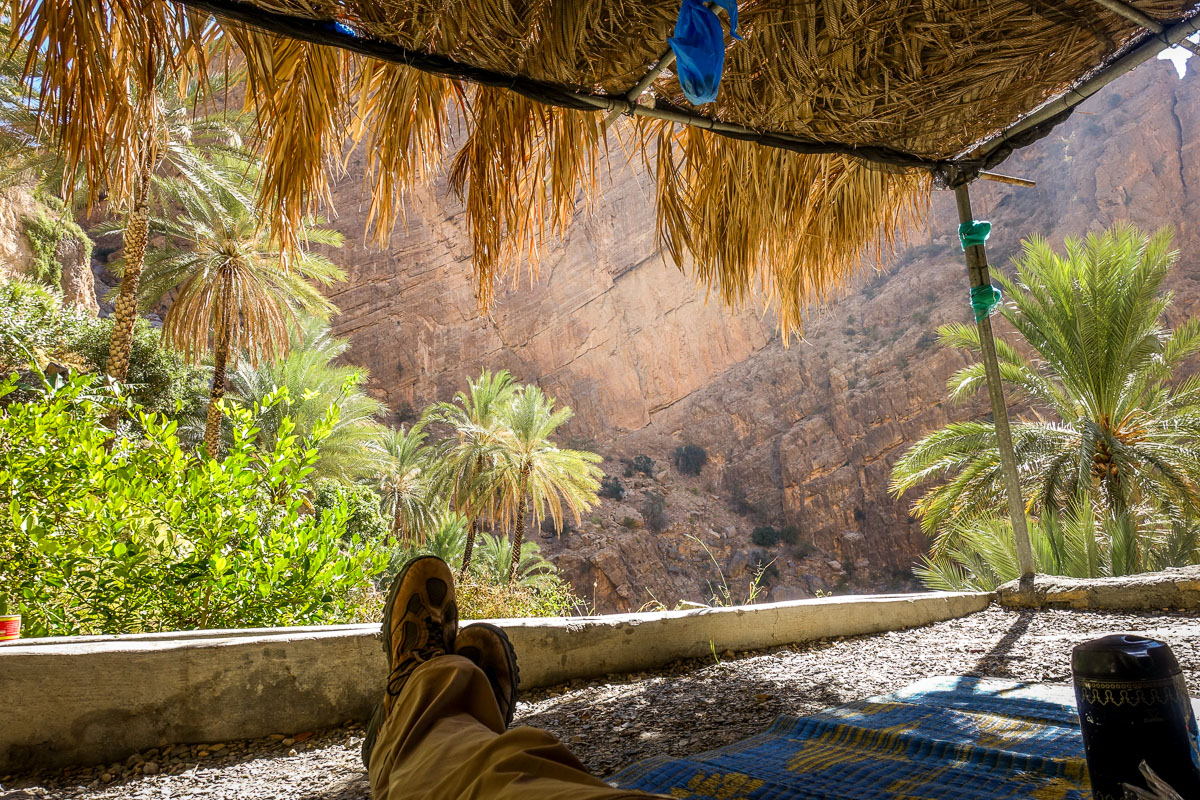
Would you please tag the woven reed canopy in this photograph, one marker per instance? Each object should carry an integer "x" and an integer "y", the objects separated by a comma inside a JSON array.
[{"x": 833, "y": 119}]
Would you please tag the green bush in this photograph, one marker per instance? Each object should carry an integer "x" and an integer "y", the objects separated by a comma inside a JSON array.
[
  {"x": 654, "y": 512},
  {"x": 44, "y": 232},
  {"x": 159, "y": 379},
  {"x": 765, "y": 536},
  {"x": 363, "y": 519},
  {"x": 639, "y": 463},
  {"x": 126, "y": 535},
  {"x": 610, "y": 486},
  {"x": 35, "y": 326},
  {"x": 689, "y": 459}
]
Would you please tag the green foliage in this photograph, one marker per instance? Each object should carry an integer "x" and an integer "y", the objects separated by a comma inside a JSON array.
[
  {"x": 353, "y": 448},
  {"x": 1112, "y": 432},
  {"x": 159, "y": 379},
  {"x": 610, "y": 487},
  {"x": 980, "y": 554},
  {"x": 363, "y": 520},
  {"x": 689, "y": 459},
  {"x": 768, "y": 536},
  {"x": 44, "y": 233},
  {"x": 654, "y": 512},
  {"x": 638, "y": 464},
  {"x": 444, "y": 536},
  {"x": 494, "y": 558},
  {"x": 35, "y": 326},
  {"x": 126, "y": 535}
]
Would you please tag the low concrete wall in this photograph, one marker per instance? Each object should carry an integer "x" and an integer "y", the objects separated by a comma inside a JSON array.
[
  {"x": 100, "y": 698},
  {"x": 1175, "y": 589}
]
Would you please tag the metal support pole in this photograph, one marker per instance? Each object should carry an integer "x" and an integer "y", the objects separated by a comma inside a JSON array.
[{"x": 979, "y": 274}]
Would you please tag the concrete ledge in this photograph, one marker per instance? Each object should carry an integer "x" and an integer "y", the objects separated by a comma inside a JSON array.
[
  {"x": 93, "y": 699},
  {"x": 1174, "y": 589}
]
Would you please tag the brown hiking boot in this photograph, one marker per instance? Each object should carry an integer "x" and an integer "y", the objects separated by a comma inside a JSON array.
[
  {"x": 489, "y": 648},
  {"x": 420, "y": 622}
]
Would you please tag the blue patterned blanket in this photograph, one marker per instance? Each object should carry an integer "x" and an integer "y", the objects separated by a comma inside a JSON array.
[{"x": 938, "y": 739}]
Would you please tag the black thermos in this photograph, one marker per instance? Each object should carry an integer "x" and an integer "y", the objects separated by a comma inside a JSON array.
[{"x": 1134, "y": 705}]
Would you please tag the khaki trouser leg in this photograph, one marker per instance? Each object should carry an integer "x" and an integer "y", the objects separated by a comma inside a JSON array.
[{"x": 445, "y": 740}]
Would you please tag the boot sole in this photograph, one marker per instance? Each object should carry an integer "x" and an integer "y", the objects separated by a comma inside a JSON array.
[{"x": 511, "y": 657}]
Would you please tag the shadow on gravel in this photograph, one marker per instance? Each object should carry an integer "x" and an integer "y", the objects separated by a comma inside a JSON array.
[{"x": 996, "y": 662}]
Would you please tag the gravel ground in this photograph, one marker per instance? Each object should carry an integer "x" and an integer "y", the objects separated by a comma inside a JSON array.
[{"x": 686, "y": 708}]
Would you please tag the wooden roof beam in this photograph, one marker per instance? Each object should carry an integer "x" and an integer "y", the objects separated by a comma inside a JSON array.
[
  {"x": 1149, "y": 23},
  {"x": 1036, "y": 124}
]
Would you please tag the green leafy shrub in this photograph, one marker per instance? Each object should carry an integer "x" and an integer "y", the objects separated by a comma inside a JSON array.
[
  {"x": 689, "y": 459},
  {"x": 44, "y": 232},
  {"x": 159, "y": 379},
  {"x": 126, "y": 535},
  {"x": 610, "y": 487},
  {"x": 363, "y": 519},
  {"x": 654, "y": 512},
  {"x": 765, "y": 536},
  {"x": 34, "y": 325},
  {"x": 769, "y": 536},
  {"x": 639, "y": 463}
]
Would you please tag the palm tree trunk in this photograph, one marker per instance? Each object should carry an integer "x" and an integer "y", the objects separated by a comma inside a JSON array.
[
  {"x": 471, "y": 530},
  {"x": 212, "y": 420},
  {"x": 137, "y": 229},
  {"x": 519, "y": 529},
  {"x": 394, "y": 534}
]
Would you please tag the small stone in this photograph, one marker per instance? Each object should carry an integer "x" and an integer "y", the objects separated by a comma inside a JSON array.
[
  {"x": 215, "y": 747},
  {"x": 106, "y": 777},
  {"x": 150, "y": 768},
  {"x": 291, "y": 752},
  {"x": 202, "y": 754},
  {"x": 288, "y": 742},
  {"x": 276, "y": 737}
]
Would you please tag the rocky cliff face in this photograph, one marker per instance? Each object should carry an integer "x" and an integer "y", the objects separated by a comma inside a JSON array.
[
  {"x": 802, "y": 435},
  {"x": 16, "y": 258}
]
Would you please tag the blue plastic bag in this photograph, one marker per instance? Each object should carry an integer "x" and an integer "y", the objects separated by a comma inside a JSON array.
[{"x": 699, "y": 45}]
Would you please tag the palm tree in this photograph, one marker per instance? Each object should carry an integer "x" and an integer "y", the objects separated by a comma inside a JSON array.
[
  {"x": 532, "y": 473},
  {"x": 404, "y": 483},
  {"x": 495, "y": 561},
  {"x": 1106, "y": 422},
  {"x": 354, "y": 448},
  {"x": 183, "y": 147},
  {"x": 465, "y": 459},
  {"x": 235, "y": 290}
]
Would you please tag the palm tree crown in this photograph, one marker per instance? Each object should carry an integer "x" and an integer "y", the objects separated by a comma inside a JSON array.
[
  {"x": 404, "y": 480},
  {"x": 465, "y": 459},
  {"x": 533, "y": 473},
  {"x": 353, "y": 448},
  {"x": 235, "y": 291}
]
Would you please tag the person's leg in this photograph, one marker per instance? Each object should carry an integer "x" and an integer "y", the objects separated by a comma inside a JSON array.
[
  {"x": 445, "y": 740},
  {"x": 440, "y": 732}
]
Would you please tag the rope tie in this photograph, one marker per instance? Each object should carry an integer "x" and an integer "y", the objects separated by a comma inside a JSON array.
[
  {"x": 974, "y": 233},
  {"x": 984, "y": 301}
]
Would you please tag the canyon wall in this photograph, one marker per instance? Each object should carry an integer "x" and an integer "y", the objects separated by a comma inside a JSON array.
[{"x": 802, "y": 435}]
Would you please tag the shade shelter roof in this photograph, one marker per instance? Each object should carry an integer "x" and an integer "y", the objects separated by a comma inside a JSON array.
[{"x": 833, "y": 120}]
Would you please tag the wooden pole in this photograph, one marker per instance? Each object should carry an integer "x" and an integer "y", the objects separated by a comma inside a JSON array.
[{"x": 980, "y": 275}]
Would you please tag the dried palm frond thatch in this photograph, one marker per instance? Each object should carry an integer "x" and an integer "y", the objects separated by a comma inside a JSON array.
[{"x": 911, "y": 84}]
